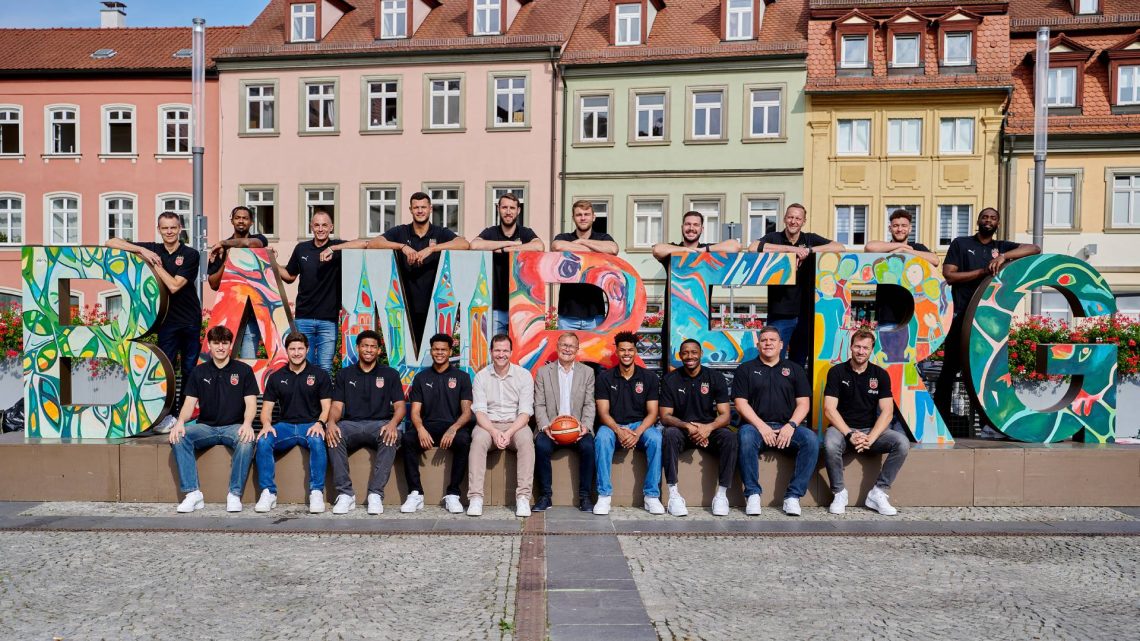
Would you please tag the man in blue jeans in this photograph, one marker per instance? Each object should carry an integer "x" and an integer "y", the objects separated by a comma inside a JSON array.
[
  {"x": 773, "y": 397},
  {"x": 318, "y": 295},
  {"x": 626, "y": 398},
  {"x": 582, "y": 306},
  {"x": 304, "y": 392},
  {"x": 225, "y": 391}
]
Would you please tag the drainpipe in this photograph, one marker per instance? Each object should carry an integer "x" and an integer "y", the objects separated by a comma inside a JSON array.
[{"x": 554, "y": 139}]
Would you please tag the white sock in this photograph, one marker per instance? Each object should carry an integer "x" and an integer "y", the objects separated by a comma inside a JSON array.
[
  {"x": 721, "y": 492},
  {"x": 673, "y": 491}
]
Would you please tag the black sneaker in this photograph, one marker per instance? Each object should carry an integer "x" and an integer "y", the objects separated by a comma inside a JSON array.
[
  {"x": 585, "y": 505},
  {"x": 542, "y": 505}
]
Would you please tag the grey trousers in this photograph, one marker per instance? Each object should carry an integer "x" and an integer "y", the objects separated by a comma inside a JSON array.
[
  {"x": 353, "y": 436},
  {"x": 894, "y": 443}
]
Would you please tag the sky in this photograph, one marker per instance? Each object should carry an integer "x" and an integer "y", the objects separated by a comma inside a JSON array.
[{"x": 140, "y": 13}]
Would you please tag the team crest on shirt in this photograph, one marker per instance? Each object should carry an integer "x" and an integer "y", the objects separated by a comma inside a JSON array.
[
  {"x": 451, "y": 383},
  {"x": 380, "y": 383},
  {"x": 233, "y": 379},
  {"x": 786, "y": 372},
  {"x": 873, "y": 383},
  {"x": 704, "y": 388},
  {"x": 178, "y": 261},
  {"x": 639, "y": 387},
  {"x": 994, "y": 252},
  {"x": 311, "y": 380}
]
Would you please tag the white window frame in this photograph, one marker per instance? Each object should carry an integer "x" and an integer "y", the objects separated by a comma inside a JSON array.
[
  {"x": 957, "y": 62},
  {"x": 383, "y": 95},
  {"x": 1053, "y": 98},
  {"x": 766, "y": 106},
  {"x": 1131, "y": 219},
  {"x": 377, "y": 195},
  {"x": 595, "y": 111},
  {"x": 328, "y": 93},
  {"x": 756, "y": 211},
  {"x": 739, "y": 21},
  {"x": 628, "y": 24},
  {"x": 449, "y": 95},
  {"x": 6, "y": 226},
  {"x": 851, "y": 216},
  {"x": 511, "y": 92},
  {"x": 255, "y": 203},
  {"x": 488, "y": 17},
  {"x": 167, "y": 115},
  {"x": 128, "y": 232},
  {"x": 1051, "y": 191},
  {"x": 845, "y": 144},
  {"x": 844, "y": 63},
  {"x": 703, "y": 113},
  {"x": 1134, "y": 71},
  {"x": 712, "y": 208},
  {"x": 961, "y": 217},
  {"x": 120, "y": 109},
  {"x": 897, "y": 136},
  {"x": 19, "y": 121},
  {"x": 308, "y": 204},
  {"x": 602, "y": 207},
  {"x": 306, "y": 12},
  {"x": 1087, "y": 7},
  {"x": 948, "y": 145},
  {"x": 397, "y": 12},
  {"x": 649, "y": 111},
  {"x": 917, "y": 38},
  {"x": 915, "y": 210},
  {"x": 49, "y": 219},
  {"x": 260, "y": 101},
  {"x": 642, "y": 222},
  {"x": 189, "y": 225},
  {"x": 441, "y": 202},
  {"x": 49, "y": 129}
]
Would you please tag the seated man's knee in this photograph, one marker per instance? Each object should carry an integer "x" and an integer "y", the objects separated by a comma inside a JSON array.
[
  {"x": 748, "y": 436},
  {"x": 605, "y": 436},
  {"x": 315, "y": 443}
]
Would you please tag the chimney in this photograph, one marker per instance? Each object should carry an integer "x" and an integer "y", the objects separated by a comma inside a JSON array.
[{"x": 113, "y": 15}]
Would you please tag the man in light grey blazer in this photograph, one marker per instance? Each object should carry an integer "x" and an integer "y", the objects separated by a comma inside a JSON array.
[{"x": 564, "y": 387}]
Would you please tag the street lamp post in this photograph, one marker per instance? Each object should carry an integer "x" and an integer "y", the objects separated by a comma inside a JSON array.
[
  {"x": 1040, "y": 147},
  {"x": 197, "y": 131}
]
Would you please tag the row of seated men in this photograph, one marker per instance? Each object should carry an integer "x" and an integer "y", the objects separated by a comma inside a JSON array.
[{"x": 627, "y": 406}]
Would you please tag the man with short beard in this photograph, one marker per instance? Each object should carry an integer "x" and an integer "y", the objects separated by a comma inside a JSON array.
[
  {"x": 891, "y": 301},
  {"x": 242, "y": 221},
  {"x": 317, "y": 310},
  {"x": 969, "y": 261},
  {"x": 367, "y": 408},
  {"x": 508, "y": 236},
  {"x": 857, "y": 402},
  {"x": 692, "y": 226},
  {"x": 582, "y": 306}
]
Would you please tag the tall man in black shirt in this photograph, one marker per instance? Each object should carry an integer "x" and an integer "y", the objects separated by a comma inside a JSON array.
[
  {"x": 772, "y": 396},
  {"x": 508, "y": 236},
  {"x": 368, "y": 405},
  {"x": 305, "y": 394},
  {"x": 891, "y": 302},
  {"x": 176, "y": 264},
  {"x": 225, "y": 391},
  {"x": 857, "y": 402},
  {"x": 694, "y": 412},
  {"x": 969, "y": 261},
  {"x": 317, "y": 310},
  {"x": 441, "y": 415},
  {"x": 242, "y": 219},
  {"x": 582, "y": 306},
  {"x": 626, "y": 397},
  {"x": 417, "y": 244},
  {"x": 787, "y": 304}
]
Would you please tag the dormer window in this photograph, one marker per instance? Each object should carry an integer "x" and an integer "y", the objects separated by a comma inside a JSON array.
[
  {"x": 393, "y": 19},
  {"x": 627, "y": 30},
  {"x": 854, "y": 44},
  {"x": 488, "y": 17},
  {"x": 1124, "y": 75},
  {"x": 958, "y": 42},
  {"x": 957, "y": 49},
  {"x": 1062, "y": 87},
  {"x": 1087, "y": 7},
  {"x": 739, "y": 19},
  {"x": 904, "y": 52},
  {"x": 1066, "y": 77},
  {"x": 303, "y": 23},
  {"x": 854, "y": 52}
]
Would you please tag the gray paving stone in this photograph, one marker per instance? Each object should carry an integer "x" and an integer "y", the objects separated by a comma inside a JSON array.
[
  {"x": 603, "y": 633},
  {"x": 597, "y": 524},
  {"x": 591, "y": 584},
  {"x": 595, "y": 607},
  {"x": 1134, "y": 512},
  {"x": 12, "y": 508},
  {"x": 586, "y": 545}
]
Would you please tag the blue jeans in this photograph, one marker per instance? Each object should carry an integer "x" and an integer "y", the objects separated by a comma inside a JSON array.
[
  {"x": 289, "y": 435},
  {"x": 585, "y": 322},
  {"x": 786, "y": 327},
  {"x": 250, "y": 337},
  {"x": 201, "y": 437},
  {"x": 804, "y": 442},
  {"x": 650, "y": 441},
  {"x": 322, "y": 340},
  {"x": 501, "y": 322}
]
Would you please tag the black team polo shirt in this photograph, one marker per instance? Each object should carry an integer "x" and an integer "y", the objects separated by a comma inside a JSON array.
[
  {"x": 788, "y": 301},
  {"x": 579, "y": 300},
  {"x": 440, "y": 394},
  {"x": 318, "y": 293},
  {"x": 221, "y": 391},
  {"x": 627, "y": 397},
  {"x": 891, "y": 302},
  {"x": 214, "y": 266},
  {"x": 368, "y": 396},
  {"x": 858, "y": 394},
  {"x": 771, "y": 392},
  {"x": 298, "y": 395},
  {"x": 184, "y": 309},
  {"x": 419, "y": 280},
  {"x": 968, "y": 253},
  {"x": 694, "y": 398},
  {"x": 500, "y": 262}
]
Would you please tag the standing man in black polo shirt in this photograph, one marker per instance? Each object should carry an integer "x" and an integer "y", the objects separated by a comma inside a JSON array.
[
  {"x": 225, "y": 391},
  {"x": 176, "y": 265},
  {"x": 582, "y": 306},
  {"x": 368, "y": 405},
  {"x": 317, "y": 311},
  {"x": 772, "y": 396},
  {"x": 890, "y": 303},
  {"x": 857, "y": 402},
  {"x": 969, "y": 261},
  {"x": 692, "y": 226},
  {"x": 417, "y": 244},
  {"x": 626, "y": 397},
  {"x": 242, "y": 219},
  {"x": 305, "y": 394},
  {"x": 787, "y": 304},
  {"x": 695, "y": 413},
  {"x": 441, "y": 415},
  {"x": 508, "y": 236}
]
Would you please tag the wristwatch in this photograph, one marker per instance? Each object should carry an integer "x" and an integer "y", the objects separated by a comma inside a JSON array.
[
  {"x": 323, "y": 424},
  {"x": 849, "y": 434}
]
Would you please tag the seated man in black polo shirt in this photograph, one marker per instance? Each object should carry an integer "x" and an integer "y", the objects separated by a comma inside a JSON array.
[
  {"x": 582, "y": 306},
  {"x": 225, "y": 391},
  {"x": 508, "y": 236},
  {"x": 857, "y": 402},
  {"x": 305, "y": 394},
  {"x": 694, "y": 413},
  {"x": 692, "y": 227},
  {"x": 368, "y": 405},
  {"x": 773, "y": 397},
  {"x": 892, "y": 303},
  {"x": 441, "y": 415}
]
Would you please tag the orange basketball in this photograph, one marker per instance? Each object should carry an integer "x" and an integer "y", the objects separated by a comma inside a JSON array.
[{"x": 565, "y": 430}]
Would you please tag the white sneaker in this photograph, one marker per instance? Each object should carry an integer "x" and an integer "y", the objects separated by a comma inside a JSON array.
[
  {"x": 345, "y": 503},
  {"x": 163, "y": 426},
  {"x": 522, "y": 507},
  {"x": 233, "y": 503},
  {"x": 452, "y": 504},
  {"x": 877, "y": 500},
  {"x": 653, "y": 505},
  {"x": 792, "y": 506},
  {"x": 602, "y": 507},
  {"x": 752, "y": 505},
  {"x": 839, "y": 503},
  {"x": 720, "y": 505},
  {"x": 266, "y": 502},
  {"x": 475, "y": 506},
  {"x": 193, "y": 501},
  {"x": 677, "y": 505},
  {"x": 376, "y": 503},
  {"x": 316, "y": 502},
  {"x": 414, "y": 502}
]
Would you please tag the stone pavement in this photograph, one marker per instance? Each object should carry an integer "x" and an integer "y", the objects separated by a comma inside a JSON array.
[{"x": 138, "y": 571}]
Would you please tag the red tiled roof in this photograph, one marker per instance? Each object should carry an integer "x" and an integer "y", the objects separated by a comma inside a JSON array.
[
  {"x": 539, "y": 23},
  {"x": 688, "y": 29},
  {"x": 1027, "y": 15},
  {"x": 136, "y": 48}
]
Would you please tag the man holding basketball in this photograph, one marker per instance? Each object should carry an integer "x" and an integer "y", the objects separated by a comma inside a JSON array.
[{"x": 564, "y": 388}]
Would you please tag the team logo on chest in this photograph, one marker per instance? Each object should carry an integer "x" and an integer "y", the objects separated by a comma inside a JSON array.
[
  {"x": 451, "y": 383},
  {"x": 994, "y": 252},
  {"x": 639, "y": 387},
  {"x": 873, "y": 383},
  {"x": 380, "y": 383},
  {"x": 704, "y": 388},
  {"x": 311, "y": 380},
  {"x": 178, "y": 261},
  {"x": 233, "y": 379},
  {"x": 785, "y": 371}
]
